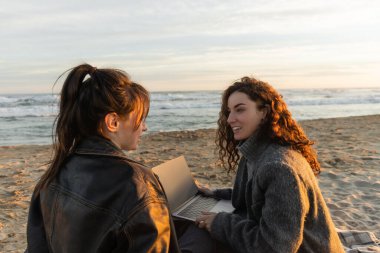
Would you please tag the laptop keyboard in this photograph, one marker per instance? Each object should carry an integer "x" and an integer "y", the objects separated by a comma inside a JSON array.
[{"x": 193, "y": 210}]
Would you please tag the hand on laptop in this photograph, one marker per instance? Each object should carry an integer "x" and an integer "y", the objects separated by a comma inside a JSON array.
[
  {"x": 205, "y": 220},
  {"x": 204, "y": 190}
]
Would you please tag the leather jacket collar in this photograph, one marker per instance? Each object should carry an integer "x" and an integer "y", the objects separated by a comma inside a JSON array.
[{"x": 98, "y": 145}]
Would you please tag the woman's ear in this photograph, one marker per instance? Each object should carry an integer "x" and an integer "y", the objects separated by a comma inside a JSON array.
[
  {"x": 111, "y": 122},
  {"x": 266, "y": 111}
]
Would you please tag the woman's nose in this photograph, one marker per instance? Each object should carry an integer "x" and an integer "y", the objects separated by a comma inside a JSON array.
[{"x": 230, "y": 118}]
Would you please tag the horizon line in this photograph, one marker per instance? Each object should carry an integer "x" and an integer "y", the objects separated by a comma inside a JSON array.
[{"x": 220, "y": 90}]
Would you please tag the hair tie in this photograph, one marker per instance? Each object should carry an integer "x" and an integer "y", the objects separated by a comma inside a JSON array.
[{"x": 90, "y": 73}]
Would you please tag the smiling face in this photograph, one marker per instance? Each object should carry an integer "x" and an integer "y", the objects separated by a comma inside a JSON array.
[{"x": 244, "y": 116}]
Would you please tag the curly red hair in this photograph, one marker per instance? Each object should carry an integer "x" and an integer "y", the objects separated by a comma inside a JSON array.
[{"x": 278, "y": 125}]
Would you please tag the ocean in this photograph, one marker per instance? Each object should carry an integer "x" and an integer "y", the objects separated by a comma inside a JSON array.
[{"x": 28, "y": 118}]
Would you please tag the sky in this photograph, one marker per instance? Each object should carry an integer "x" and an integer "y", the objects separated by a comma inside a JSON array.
[{"x": 192, "y": 45}]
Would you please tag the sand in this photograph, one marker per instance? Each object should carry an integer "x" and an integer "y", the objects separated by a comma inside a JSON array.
[{"x": 348, "y": 149}]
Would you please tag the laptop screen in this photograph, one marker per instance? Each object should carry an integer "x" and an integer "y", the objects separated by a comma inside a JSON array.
[{"x": 176, "y": 180}]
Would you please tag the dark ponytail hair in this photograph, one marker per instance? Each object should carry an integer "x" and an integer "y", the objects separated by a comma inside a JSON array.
[{"x": 87, "y": 96}]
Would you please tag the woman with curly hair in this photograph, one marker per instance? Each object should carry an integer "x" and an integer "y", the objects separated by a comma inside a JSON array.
[{"x": 278, "y": 204}]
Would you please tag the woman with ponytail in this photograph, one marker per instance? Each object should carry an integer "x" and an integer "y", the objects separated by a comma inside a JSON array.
[
  {"x": 92, "y": 198},
  {"x": 278, "y": 204}
]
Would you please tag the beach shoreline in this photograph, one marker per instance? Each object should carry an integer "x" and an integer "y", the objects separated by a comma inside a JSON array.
[{"x": 348, "y": 150}]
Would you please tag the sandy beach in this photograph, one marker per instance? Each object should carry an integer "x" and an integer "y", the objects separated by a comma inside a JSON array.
[{"x": 348, "y": 149}]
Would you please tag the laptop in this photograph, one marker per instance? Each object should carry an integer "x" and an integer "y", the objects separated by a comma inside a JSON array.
[{"x": 185, "y": 201}]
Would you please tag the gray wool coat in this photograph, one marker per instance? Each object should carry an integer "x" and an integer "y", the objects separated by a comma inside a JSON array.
[{"x": 279, "y": 206}]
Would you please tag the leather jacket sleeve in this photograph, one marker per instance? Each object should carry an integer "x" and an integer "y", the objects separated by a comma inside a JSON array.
[
  {"x": 35, "y": 229},
  {"x": 147, "y": 230}
]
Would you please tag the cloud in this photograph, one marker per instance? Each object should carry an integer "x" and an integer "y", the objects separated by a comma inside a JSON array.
[{"x": 170, "y": 42}]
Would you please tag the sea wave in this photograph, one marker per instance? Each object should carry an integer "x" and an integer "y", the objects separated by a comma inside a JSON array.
[
  {"x": 28, "y": 100},
  {"x": 29, "y": 118},
  {"x": 31, "y": 111}
]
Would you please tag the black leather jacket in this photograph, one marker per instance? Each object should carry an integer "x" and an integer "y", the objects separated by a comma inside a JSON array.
[{"x": 101, "y": 202}]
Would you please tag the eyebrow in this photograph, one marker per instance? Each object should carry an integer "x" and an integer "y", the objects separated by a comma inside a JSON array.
[{"x": 237, "y": 105}]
